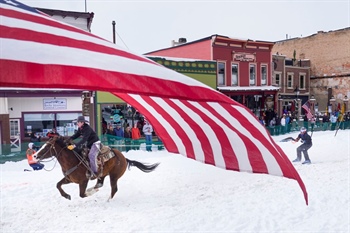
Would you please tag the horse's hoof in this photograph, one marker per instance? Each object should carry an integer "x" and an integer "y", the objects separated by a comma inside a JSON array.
[
  {"x": 67, "y": 197},
  {"x": 98, "y": 185}
]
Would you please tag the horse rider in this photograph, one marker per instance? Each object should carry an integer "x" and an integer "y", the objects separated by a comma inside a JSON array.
[
  {"x": 90, "y": 137},
  {"x": 32, "y": 161}
]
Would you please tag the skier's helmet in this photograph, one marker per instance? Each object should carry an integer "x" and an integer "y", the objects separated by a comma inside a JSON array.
[
  {"x": 302, "y": 129},
  {"x": 30, "y": 145}
]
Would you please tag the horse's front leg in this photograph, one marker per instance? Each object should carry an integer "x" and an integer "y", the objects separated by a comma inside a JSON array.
[
  {"x": 59, "y": 187},
  {"x": 82, "y": 188}
]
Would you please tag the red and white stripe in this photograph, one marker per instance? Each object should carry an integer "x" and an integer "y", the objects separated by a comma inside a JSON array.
[{"x": 190, "y": 118}]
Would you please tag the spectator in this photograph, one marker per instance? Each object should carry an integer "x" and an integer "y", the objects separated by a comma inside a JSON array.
[
  {"x": 333, "y": 120},
  {"x": 104, "y": 126},
  {"x": 283, "y": 124},
  {"x": 110, "y": 134},
  {"x": 147, "y": 130},
  {"x": 325, "y": 121},
  {"x": 135, "y": 134},
  {"x": 35, "y": 137},
  {"x": 127, "y": 136},
  {"x": 32, "y": 161},
  {"x": 312, "y": 122},
  {"x": 119, "y": 133}
]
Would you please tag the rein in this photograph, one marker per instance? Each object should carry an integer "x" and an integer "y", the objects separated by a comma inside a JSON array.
[{"x": 53, "y": 152}]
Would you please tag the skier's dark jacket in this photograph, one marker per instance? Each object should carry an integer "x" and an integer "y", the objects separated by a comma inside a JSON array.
[
  {"x": 88, "y": 134},
  {"x": 306, "y": 138}
]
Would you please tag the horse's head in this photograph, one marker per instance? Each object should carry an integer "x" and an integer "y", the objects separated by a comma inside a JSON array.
[{"x": 51, "y": 148}]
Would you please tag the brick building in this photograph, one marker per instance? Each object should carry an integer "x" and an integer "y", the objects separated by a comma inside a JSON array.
[
  {"x": 244, "y": 68},
  {"x": 329, "y": 53}
]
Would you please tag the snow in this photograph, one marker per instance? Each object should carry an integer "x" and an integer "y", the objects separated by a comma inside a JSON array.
[{"x": 183, "y": 195}]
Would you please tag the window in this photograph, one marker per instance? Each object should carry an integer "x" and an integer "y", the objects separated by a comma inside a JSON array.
[
  {"x": 221, "y": 74},
  {"x": 290, "y": 81},
  {"x": 277, "y": 79},
  {"x": 263, "y": 75},
  {"x": 302, "y": 81},
  {"x": 42, "y": 123},
  {"x": 234, "y": 78},
  {"x": 252, "y": 73}
]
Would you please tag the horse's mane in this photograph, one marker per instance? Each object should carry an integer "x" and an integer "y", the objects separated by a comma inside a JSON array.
[{"x": 60, "y": 141}]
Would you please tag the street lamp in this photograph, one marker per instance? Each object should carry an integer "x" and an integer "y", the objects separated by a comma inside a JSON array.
[{"x": 296, "y": 91}]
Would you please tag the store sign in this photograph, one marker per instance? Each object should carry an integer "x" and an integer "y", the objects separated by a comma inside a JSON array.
[
  {"x": 243, "y": 57},
  {"x": 54, "y": 104}
]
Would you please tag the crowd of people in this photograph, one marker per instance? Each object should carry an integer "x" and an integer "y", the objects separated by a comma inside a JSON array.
[
  {"x": 123, "y": 135},
  {"x": 288, "y": 121}
]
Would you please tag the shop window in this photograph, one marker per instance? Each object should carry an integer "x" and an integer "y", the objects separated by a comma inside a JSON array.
[
  {"x": 252, "y": 74},
  {"x": 221, "y": 74},
  {"x": 302, "y": 81},
  {"x": 277, "y": 79},
  {"x": 42, "y": 123},
  {"x": 290, "y": 81},
  {"x": 234, "y": 75},
  {"x": 64, "y": 123},
  {"x": 263, "y": 75}
]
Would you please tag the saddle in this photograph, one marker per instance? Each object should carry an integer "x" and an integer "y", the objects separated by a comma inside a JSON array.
[{"x": 105, "y": 154}]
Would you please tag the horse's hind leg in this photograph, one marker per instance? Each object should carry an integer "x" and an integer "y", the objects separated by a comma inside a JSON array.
[
  {"x": 99, "y": 182},
  {"x": 59, "y": 187},
  {"x": 114, "y": 186},
  {"x": 82, "y": 188}
]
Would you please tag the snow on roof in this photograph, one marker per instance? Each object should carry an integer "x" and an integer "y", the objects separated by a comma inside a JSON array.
[
  {"x": 250, "y": 88},
  {"x": 178, "y": 58}
]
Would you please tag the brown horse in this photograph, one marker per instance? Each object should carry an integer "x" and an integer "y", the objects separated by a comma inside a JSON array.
[{"x": 75, "y": 167}]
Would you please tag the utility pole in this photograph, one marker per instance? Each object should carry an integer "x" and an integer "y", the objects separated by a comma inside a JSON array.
[{"x": 113, "y": 23}]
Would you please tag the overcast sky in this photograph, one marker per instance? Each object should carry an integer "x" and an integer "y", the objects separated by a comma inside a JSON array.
[{"x": 144, "y": 26}]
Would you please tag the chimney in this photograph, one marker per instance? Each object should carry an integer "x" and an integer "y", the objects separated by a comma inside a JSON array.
[{"x": 182, "y": 40}]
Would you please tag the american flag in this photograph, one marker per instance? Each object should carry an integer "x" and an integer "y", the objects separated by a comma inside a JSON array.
[
  {"x": 307, "y": 109},
  {"x": 190, "y": 118}
]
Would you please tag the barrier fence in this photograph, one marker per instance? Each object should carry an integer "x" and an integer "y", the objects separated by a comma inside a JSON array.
[{"x": 126, "y": 145}]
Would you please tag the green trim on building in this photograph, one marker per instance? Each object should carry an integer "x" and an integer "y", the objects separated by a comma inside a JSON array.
[{"x": 203, "y": 71}]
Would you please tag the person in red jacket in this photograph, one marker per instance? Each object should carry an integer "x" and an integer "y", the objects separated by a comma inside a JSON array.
[
  {"x": 135, "y": 134},
  {"x": 32, "y": 161}
]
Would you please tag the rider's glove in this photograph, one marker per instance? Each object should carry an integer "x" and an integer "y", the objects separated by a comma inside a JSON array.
[{"x": 71, "y": 147}]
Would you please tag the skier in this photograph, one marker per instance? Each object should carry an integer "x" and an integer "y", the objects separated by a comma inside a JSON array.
[{"x": 307, "y": 144}]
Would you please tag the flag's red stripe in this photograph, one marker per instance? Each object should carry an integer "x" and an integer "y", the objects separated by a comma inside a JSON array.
[
  {"x": 178, "y": 127},
  {"x": 72, "y": 77},
  {"x": 173, "y": 122},
  {"x": 206, "y": 146}
]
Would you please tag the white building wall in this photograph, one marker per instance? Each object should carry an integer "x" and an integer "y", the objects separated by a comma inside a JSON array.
[
  {"x": 4, "y": 109},
  {"x": 36, "y": 104}
]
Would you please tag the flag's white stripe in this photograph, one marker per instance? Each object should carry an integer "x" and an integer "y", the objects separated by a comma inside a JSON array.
[
  {"x": 60, "y": 32},
  {"x": 236, "y": 142},
  {"x": 208, "y": 132},
  {"x": 170, "y": 130},
  {"x": 270, "y": 161},
  {"x": 59, "y": 55},
  {"x": 184, "y": 125}
]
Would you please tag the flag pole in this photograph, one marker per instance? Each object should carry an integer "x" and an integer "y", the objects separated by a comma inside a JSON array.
[{"x": 338, "y": 125}]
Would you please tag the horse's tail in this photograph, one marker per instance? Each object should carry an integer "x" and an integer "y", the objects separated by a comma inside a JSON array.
[{"x": 141, "y": 166}]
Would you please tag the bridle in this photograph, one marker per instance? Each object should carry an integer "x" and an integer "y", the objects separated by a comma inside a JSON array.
[
  {"x": 53, "y": 153},
  {"x": 52, "y": 150}
]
